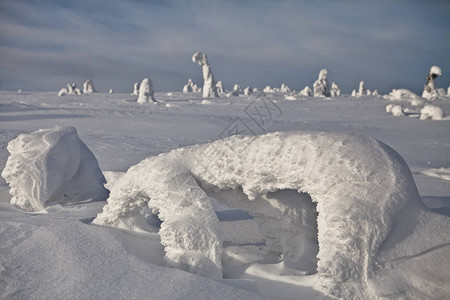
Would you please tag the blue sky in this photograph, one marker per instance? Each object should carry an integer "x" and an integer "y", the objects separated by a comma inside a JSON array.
[{"x": 389, "y": 44}]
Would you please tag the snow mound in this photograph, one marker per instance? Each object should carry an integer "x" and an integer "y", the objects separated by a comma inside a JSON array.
[
  {"x": 432, "y": 112},
  {"x": 358, "y": 184},
  {"x": 52, "y": 165}
]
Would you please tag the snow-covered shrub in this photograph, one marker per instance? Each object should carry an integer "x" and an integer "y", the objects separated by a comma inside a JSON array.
[
  {"x": 375, "y": 93},
  {"x": 70, "y": 90},
  {"x": 359, "y": 184},
  {"x": 430, "y": 91},
  {"x": 188, "y": 87},
  {"x": 52, "y": 165},
  {"x": 219, "y": 87},
  {"x": 136, "y": 88},
  {"x": 335, "y": 90},
  {"x": 88, "y": 87},
  {"x": 354, "y": 93},
  {"x": 285, "y": 89},
  {"x": 321, "y": 87},
  {"x": 389, "y": 107},
  {"x": 247, "y": 91},
  {"x": 268, "y": 89},
  {"x": 146, "y": 92},
  {"x": 237, "y": 88},
  {"x": 397, "y": 110},
  {"x": 209, "y": 85},
  {"x": 255, "y": 90},
  {"x": 306, "y": 91},
  {"x": 432, "y": 112}
]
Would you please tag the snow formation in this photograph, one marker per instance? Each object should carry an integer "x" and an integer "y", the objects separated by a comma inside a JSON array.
[
  {"x": 430, "y": 91},
  {"x": 358, "y": 184},
  {"x": 88, "y": 87},
  {"x": 335, "y": 90},
  {"x": 219, "y": 87},
  {"x": 52, "y": 165},
  {"x": 306, "y": 91},
  {"x": 146, "y": 92},
  {"x": 432, "y": 112},
  {"x": 188, "y": 87},
  {"x": 209, "y": 85},
  {"x": 136, "y": 88},
  {"x": 70, "y": 90},
  {"x": 321, "y": 87}
]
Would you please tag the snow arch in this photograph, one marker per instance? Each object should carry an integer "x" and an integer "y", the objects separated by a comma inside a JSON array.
[{"x": 358, "y": 184}]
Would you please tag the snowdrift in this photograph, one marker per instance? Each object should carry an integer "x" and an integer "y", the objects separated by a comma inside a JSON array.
[
  {"x": 359, "y": 186},
  {"x": 52, "y": 165}
]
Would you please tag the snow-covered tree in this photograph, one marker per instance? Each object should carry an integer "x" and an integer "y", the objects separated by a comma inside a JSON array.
[
  {"x": 189, "y": 87},
  {"x": 136, "y": 88},
  {"x": 268, "y": 89},
  {"x": 219, "y": 87},
  {"x": 70, "y": 90},
  {"x": 209, "y": 85},
  {"x": 255, "y": 90},
  {"x": 88, "y": 87},
  {"x": 321, "y": 87},
  {"x": 429, "y": 91},
  {"x": 306, "y": 91},
  {"x": 335, "y": 90},
  {"x": 361, "y": 90},
  {"x": 285, "y": 89},
  {"x": 247, "y": 91},
  {"x": 146, "y": 92}
]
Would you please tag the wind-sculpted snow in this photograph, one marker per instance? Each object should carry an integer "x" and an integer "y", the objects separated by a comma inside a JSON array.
[
  {"x": 358, "y": 184},
  {"x": 52, "y": 165}
]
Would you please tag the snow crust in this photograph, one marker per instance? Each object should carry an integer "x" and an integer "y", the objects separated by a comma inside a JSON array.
[
  {"x": 359, "y": 185},
  {"x": 52, "y": 165}
]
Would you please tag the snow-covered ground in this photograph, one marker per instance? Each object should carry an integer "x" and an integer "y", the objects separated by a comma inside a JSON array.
[{"x": 59, "y": 252}]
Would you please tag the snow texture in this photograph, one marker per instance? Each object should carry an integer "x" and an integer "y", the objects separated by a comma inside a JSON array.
[
  {"x": 432, "y": 112},
  {"x": 146, "y": 92},
  {"x": 52, "y": 165},
  {"x": 359, "y": 185},
  {"x": 209, "y": 85},
  {"x": 321, "y": 87}
]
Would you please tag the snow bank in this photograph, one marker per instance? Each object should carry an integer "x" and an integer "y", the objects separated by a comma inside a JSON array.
[
  {"x": 432, "y": 112},
  {"x": 209, "y": 85},
  {"x": 52, "y": 165},
  {"x": 359, "y": 185},
  {"x": 321, "y": 87},
  {"x": 146, "y": 92}
]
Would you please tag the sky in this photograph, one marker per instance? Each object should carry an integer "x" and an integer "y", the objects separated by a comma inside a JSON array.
[{"x": 389, "y": 44}]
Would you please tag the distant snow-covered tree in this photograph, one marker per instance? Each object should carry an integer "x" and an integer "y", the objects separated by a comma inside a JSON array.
[
  {"x": 247, "y": 91},
  {"x": 306, "y": 92},
  {"x": 136, "y": 88},
  {"x": 188, "y": 87},
  {"x": 429, "y": 91},
  {"x": 146, "y": 92},
  {"x": 335, "y": 90},
  {"x": 209, "y": 85},
  {"x": 219, "y": 87},
  {"x": 321, "y": 87},
  {"x": 88, "y": 87}
]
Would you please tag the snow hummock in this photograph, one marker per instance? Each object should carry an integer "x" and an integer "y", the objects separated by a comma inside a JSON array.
[
  {"x": 321, "y": 87},
  {"x": 52, "y": 165},
  {"x": 88, "y": 87},
  {"x": 358, "y": 184},
  {"x": 146, "y": 92},
  {"x": 432, "y": 112},
  {"x": 209, "y": 85}
]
